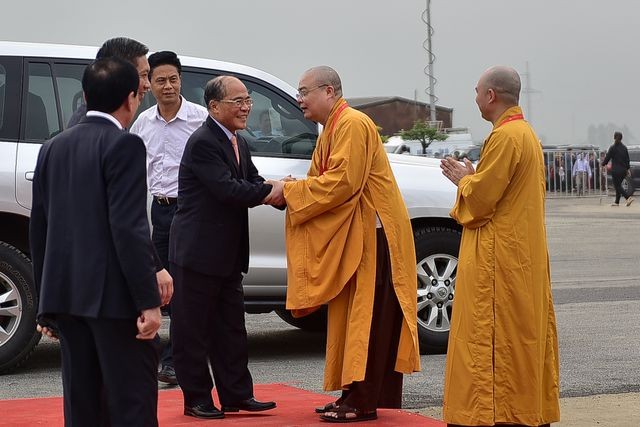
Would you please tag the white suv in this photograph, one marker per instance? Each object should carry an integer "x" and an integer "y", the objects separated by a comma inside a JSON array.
[{"x": 40, "y": 87}]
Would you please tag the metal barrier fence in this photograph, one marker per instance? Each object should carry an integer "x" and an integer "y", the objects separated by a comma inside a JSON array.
[{"x": 575, "y": 173}]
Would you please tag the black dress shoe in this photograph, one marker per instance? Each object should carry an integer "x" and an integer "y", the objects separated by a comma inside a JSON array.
[
  {"x": 167, "y": 375},
  {"x": 251, "y": 405},
  {"x": 204, "y": 410}
]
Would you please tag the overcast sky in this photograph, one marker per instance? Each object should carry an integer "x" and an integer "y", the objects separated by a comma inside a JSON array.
[{"x": 582, "y": 55}]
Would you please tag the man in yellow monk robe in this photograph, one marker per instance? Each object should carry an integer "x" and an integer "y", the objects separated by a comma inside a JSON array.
[
  {"x": 502, "y": 360},
  {"x": 350, "y": 245}
]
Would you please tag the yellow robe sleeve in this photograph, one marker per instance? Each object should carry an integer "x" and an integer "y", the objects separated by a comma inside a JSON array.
[
  {"x": 479, "y": 193},
  {"x": 343, "y": 179}
]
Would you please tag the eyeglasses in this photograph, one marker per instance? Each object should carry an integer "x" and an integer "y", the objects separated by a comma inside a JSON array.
[
  {"x": 239, "y": 103},
  {"x": 302, "y": 93}
]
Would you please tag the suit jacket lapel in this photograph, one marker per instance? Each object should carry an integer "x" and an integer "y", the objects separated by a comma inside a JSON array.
[{"x": 227, "y": 149}]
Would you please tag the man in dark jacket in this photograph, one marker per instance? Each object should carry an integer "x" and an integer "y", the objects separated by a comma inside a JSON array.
[
  {"x": 93, "y": 259},
  {"x": 209, "y": 251},
  {"x": 619, "y": 157}
]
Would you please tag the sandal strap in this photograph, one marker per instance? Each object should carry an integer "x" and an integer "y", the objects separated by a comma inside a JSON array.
[
  {"x": 343, "y": 411},
  {"x": 331, "y": 406}
]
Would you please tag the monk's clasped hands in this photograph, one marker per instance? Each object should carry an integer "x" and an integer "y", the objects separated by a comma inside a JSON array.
[{"x": 454, "y": 170}]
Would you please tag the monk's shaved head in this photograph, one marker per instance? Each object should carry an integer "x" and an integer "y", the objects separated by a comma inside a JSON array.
[
  {"x": 504, "y": 81},
  {"x": 325, "y": 75}
]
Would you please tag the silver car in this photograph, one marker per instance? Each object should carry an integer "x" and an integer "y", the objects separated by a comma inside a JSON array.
[{"x": 40, "y": 87}]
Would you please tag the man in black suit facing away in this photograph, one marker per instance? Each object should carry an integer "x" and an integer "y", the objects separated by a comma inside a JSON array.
[
  {"x": 93, "y": 258},
  {"x": 209, "y": 251}
]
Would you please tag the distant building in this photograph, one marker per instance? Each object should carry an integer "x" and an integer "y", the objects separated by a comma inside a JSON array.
[{"x": 394, "y": 113}]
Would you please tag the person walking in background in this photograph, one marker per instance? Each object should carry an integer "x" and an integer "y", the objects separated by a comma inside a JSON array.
[
  {"x": 360, "y": 259},
  {"x": 93, "y": 260},
  {"x": 165, "y": 128},
  {"x": 208, "y": 254},
  {"x": 618, "y": 155},
  {"x": 502, "y": 360},
  {"x": 581, "y": 174}
]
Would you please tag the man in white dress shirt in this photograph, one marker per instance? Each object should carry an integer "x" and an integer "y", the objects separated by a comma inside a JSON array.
[
  {"x": 581, "y": 170},
  {"x": 165, "y": 128}
]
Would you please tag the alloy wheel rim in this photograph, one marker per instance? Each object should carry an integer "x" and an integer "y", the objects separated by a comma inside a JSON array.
[
  {"x": 436, "y": 289},
  {"x": 10, "y": 308}
]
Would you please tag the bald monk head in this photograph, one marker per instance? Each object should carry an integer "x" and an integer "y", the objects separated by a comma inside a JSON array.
[
  {"x": 318, "y": 91},
  {"x": 497, "y": 90}
]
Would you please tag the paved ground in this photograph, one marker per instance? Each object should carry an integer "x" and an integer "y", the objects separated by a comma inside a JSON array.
[
  {"x": 615, "y": 410},
  {"x": 595, "y": 264}
]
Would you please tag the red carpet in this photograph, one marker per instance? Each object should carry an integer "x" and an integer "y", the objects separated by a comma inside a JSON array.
[{"x": 295, "y": 408}]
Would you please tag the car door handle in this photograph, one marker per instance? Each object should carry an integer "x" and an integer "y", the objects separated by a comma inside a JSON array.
[{"x": 28, "y": 176}]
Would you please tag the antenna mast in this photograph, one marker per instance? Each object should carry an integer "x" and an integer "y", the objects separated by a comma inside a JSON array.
[{"x": 428, "y": 70}]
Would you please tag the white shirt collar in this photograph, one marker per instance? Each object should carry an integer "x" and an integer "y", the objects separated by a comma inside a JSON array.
[
  {"x": 182, "y": 114},
  {"x": 226, "y": 131},
  {"x": 93, "y": 113}
]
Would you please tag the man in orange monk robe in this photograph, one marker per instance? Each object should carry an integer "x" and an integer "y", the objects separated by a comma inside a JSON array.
[
  {"x": 350, "y": 245},
  {"x": 502, "y": 360}
]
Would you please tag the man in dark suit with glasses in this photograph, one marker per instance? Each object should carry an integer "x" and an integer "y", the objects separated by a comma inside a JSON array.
[{"x": 209, "y": 252}]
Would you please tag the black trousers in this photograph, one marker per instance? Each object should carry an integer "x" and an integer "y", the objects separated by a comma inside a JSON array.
[
  {"x": 207, "y": 326},
  {"x": 617, "y": 178},
  {"x": 382, "y": 385},
  {"x": 161, "y": 218},
  {"x": 102, "y": 361}
]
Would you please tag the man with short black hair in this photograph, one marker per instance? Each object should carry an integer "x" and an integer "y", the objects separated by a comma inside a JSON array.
[
  {"x": 165, "y": 128},
  {"x": 93, "y": 260},
  {"x": 209, "y": 252},
  {"x": 130, "y": 50},
  {"x": 618, "y": 155}
]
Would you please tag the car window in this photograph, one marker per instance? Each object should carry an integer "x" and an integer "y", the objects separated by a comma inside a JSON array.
[
  {"x": 10, "y": 85},
  {"x": 276, "y": 126},
  {"x": 474, "y": 154},
  {"x": 3, "y": 81},
  {"x": 69, "y": 82},
  {"x": 634, "y": 156},
  {"x": 41, "y": 119}
]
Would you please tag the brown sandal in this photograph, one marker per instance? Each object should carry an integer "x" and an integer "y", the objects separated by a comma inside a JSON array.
[
  {"x": 329, "y": 407},
  {"x": 347, "y": 414}
]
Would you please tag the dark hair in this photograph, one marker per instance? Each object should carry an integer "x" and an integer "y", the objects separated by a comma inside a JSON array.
[
  {"x": 122, "y": 47},
  {"x": 107, "y": 83},
  {"x": 165, "y": 57},
  {"x": 617, "y": 136},
  {"x": 215, "y": 90}
]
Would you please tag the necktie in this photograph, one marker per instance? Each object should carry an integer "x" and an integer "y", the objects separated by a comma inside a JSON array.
[{"x": 234, "y": 144}]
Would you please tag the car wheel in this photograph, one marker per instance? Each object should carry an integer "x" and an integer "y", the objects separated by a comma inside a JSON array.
[
  {"x": 18, "y": 308},
  {"x": 315, "y": 322},
  {"x": 627, "y": 185},
  {"x": 437, "y": 261}
]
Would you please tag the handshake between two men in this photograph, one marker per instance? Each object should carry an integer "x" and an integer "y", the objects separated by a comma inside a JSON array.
[{"x": 276, "y": 197}]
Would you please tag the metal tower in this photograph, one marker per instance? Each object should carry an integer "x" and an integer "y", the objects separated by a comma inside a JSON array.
[{"x": 428, "y": 70}]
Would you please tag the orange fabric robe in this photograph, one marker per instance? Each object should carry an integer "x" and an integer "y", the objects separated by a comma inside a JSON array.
[
  {"x": 502, "y": 361},
  {"x": 331, "y": 244}
]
